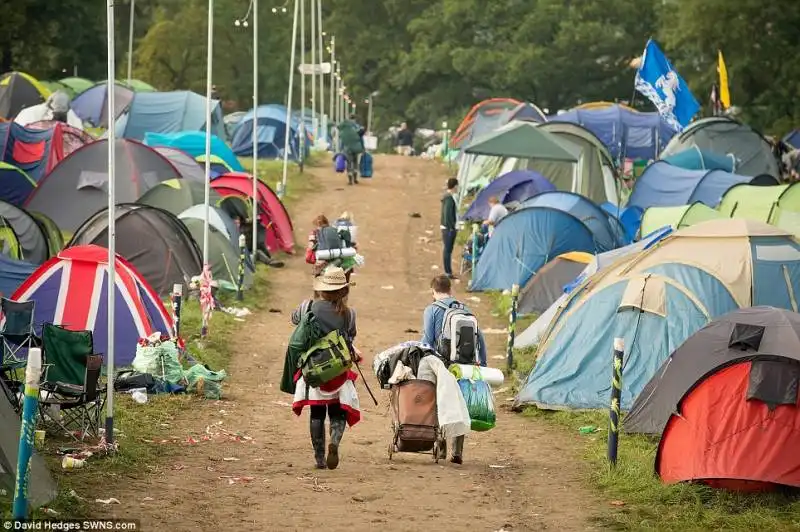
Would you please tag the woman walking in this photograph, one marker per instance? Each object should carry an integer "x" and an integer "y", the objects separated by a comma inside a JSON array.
[
  {"x": 337, "y": 398},
  {"x": 325, "y": 237}
]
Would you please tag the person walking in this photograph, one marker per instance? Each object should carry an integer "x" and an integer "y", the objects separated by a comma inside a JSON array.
[
  {"x": 432, "y": 328},
  {"x": 449, "y": 225},
  {"x": 351, "y": 141},
  {"x": 405, "y": 140},
  {"x": 337, "y": 399},
  {"x": 326, "y": 237}
]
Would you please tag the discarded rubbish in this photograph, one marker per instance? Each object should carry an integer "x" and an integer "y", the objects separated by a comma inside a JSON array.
[
  {"x": 70, "y": 462},
  {"x": 387, "y": 287},
  {"x": 139, "y": 396},
  {"x": 494, "y": 466},
  {"x": 234, "y": 480},
  {"x": 230, "y": 459},
  {"x": 112, "y": 500},
  {"x": 588, "y": 429},
  {"x": 147, "y": 499}
]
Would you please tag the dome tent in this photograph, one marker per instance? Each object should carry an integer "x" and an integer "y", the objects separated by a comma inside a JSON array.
[
  {"x": 549, "y": 282},
  {"x": 515, "y": 186},
  {"x": 272, "y": 130},
  {"x": 677, "y": 217}
]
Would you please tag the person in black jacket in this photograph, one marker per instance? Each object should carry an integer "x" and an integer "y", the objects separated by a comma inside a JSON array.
[{"x": 448, "y": 225}]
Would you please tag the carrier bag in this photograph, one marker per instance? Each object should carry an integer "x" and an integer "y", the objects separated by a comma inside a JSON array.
[
  {"x": 458, "y": 340},
  {"x": 328, "y": 358},
  {"x": 365, "y": 166},
  {"x": 480, "y": 402},
  {"x": 339, "y": 163}
]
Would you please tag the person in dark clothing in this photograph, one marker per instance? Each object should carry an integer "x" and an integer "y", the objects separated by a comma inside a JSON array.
[
  {"x": 262, "y": 253},
  {"x": 405, "y": 140},
  {"x": 448, "y": 223},
  {"x": 351, "y": 139}
]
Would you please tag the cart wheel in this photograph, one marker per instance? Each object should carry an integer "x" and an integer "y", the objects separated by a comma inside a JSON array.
[
  {"x": 391, "y": 450},
  {"x": 436, "y": 452}
]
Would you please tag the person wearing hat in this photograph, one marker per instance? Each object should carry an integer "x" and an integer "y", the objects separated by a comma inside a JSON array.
[{"x": 336, "y": 398}]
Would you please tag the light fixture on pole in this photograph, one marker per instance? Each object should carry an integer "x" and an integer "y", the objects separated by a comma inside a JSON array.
[
  {"x": 253, "y": 7},
  {"x": 130, "y": 43},
  {"x": 289, "y": 100},
  {"x": 332, "y": 50},
  {"x": 209, "y": 87},
  {"x": 111, "y": 290}
]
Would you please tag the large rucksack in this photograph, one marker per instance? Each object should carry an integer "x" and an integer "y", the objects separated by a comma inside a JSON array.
[
  {"x": 328, "y": 358},
  {"x": 458, "y": 339}
]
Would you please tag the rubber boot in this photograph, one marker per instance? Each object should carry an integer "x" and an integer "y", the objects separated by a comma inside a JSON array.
[
  {"x": 349, "y": 178},
  {"x": 337, "y": 431},
  {"x": 458, "y": 449},
  {"x": 318, "y": 441}
]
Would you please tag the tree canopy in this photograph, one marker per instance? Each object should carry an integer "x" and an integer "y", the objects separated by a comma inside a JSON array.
[{"x": 431, "y": 60}]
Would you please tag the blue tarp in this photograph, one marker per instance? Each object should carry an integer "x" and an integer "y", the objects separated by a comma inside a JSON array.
[
  {"x": 271, "y": 133},
  {"x": 664, "y": 185},
  {"x": 526, "y": 240},
  {"x": 194, "y": 143},
  {"x": 629, "y": 217},
  {"x": 606, "y": 237},
  {"x": 694, "y": 158},
  {"x": 624, "y": 132},
  {"x": 517, "y": 185},
  {"x": 169, "y": 112},
  {"x": 12, "y": 274}
]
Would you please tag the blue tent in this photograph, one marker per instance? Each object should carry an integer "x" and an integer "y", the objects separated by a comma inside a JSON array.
[
  {"x": 608, "y": 233},
  {"x": 517, "y": 185},
  {"x": 13, "y": 273},
  {"x": 664, "y": 185},
  {"x": 169, "y": 112},
  {"x": 693, "y": 158},
  {"x": 526, "y": 240},
  {"x": 194, "y": 143},
  {"x": 793, "y": 139},
  {"x": 655, "y": 303},
  {"x": 630, "y": 217},
  {"x": 626, "y": 133},
  {"x": 92, "y": 104},
  {"x": 271, "y": 133}
]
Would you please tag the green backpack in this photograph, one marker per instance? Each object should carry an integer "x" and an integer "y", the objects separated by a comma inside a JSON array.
[{"x": 329, "y": 357}]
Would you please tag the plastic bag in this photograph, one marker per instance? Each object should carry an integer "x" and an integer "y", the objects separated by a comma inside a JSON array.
[
  {"x": 480, "y": 402},
  {"x": 205, "y": 382},
  {"x": 159, "y": 360}
]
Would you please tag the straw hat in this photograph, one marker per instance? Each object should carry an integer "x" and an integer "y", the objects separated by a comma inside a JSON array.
[{"x": 332, "y": 279}]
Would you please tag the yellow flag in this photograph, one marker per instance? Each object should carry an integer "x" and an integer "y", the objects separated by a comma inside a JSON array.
[{"x": 724, "y": 92}]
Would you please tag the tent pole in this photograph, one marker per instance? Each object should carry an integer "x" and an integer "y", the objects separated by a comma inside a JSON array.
[
  {"x": 209, "y": 86},
  {"x": 255, "y": 131},
  {"x": 112, "y": 231},
  {"x": 289, "y": 101}
]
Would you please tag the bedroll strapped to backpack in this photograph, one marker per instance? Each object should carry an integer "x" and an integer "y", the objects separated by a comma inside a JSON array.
[{"x": 458, "y": 339}]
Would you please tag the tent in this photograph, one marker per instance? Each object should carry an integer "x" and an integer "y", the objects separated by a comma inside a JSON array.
[
  {"x": 516, "y": 186},
  {"x": 177, "y": 195},
  {"x": 664, "y": 185},
  {"x": 77, "y": 187},
  {"x": 655, "y": 300},
  {"x": 12, "y": 274},
  {"x": 526, "y": 240},
  {"x": 223, "y": 255},
  {"x": 483, "y": 118},
  {"x": 272, "y": 213},
  {"x": 168, "y": 112},
  {"x": 42, "y": 112},
  {"x": 525, "y": 112},
  {"x": 539, "y": 328},
  {"x": 187, "y": 167},
  {"x": 626, "y": 133},
  {"x": 629, "y": 217},
  {"x": 32, "y": 239},
  {"x": 607, "y": 232},
  {"x": 19, "y": 90},
  {"x": 36, "y": 152},
  {"x": 231, "y": 120},
  {"x": 523, "y": 141},
  {"x": 194, "y": 143},
  {"x": 693, "y": 158},
  {"x": 140, "y": 86},
  {"x": 9, "y": 241},
  {"x": 91, "y": 105},
  {"x": 71, "y": 137},
  {"x": 76, "y": 85},
  {"x": 724, "y": 136},
  {"x": 793, "y": 139},
  {"x": 221, "y": 221},
  {"x": 218, "y": 165},
  {"x": 154, "y": 241},
  {"x": 71, "y": 290},
  {"x": 55, "y": 239},
  {"x": 727, "y": 395},
  {"x": 677, "y": 217},
  {"x": 271, "y": 133},
  {"x": 548, "y": 284},
  {"x": 15, "y": 184}
]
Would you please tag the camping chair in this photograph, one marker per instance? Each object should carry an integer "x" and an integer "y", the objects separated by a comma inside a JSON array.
[
  {"x": 16, "y": 334},
  {"x": 70, "y": 381},
  {"x": 466, "y": 256}
]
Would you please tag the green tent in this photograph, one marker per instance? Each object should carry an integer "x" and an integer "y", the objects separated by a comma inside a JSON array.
[
  {"x": 677, "y": 217},
  {"x": 222, "y": 255},
  {"x": 55, "y": 239},
  {"x": 140, "y": 86},
  {"x": 752, "y": 202},
  {"x": 77, "y": 85},
  {"x": 522, "y": 140}
]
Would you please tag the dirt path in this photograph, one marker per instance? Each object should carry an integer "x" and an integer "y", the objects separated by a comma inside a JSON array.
[{"x": 537, "y": 488}]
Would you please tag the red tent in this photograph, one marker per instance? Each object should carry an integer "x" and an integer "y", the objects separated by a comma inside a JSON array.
[{"x": 272, "y": 213}]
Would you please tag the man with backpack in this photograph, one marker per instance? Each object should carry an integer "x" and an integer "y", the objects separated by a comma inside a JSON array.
[
  {"x": 452, "y": 330},
  {"x": 351, "y": 140}
]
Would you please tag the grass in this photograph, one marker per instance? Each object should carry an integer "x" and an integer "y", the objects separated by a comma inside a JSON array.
[{"x": 154, "y": 420}]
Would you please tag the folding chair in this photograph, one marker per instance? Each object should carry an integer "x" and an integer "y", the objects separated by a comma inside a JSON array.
[
  {"x": 17, "y": 335},
  {"x": 70, "y": 382}
]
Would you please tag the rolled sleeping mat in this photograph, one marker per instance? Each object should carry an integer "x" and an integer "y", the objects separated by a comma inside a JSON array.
[
  {"x": 493, "y": 376},
  {"x": 338, "y": 253}
]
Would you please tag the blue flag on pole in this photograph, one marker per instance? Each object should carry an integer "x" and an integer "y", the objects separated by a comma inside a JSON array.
[{"x": 661, "y": 84}]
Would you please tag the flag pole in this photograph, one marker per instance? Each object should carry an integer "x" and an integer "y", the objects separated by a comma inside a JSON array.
[
  {"x": 314, "y": 104},
  {"x": 302, "y": 105},
  {"x": 289, "y": 100},
  {"x": 207, "y": 200},
  {"x": 112, "y": 222},
  {"x": 320, "y": 41},
  {"x": 255, "y": 131}
]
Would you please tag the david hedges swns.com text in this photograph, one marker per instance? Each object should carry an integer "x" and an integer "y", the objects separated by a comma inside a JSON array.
[{"x": 72, "y": 525}]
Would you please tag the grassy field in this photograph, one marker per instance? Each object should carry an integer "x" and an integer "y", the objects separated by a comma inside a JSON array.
[
  {"x": 136, "y": 423},
  {"x": 646, "y": 503}
]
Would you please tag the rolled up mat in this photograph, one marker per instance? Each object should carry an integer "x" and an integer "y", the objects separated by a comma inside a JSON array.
[
  {"x": 328, "y": 254},
  {"x": 493, "y": 376}
]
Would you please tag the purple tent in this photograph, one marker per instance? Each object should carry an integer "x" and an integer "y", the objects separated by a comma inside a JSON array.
[
  {"x": 92, "y": 104},
  {"x": 517, "y": 185}
]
